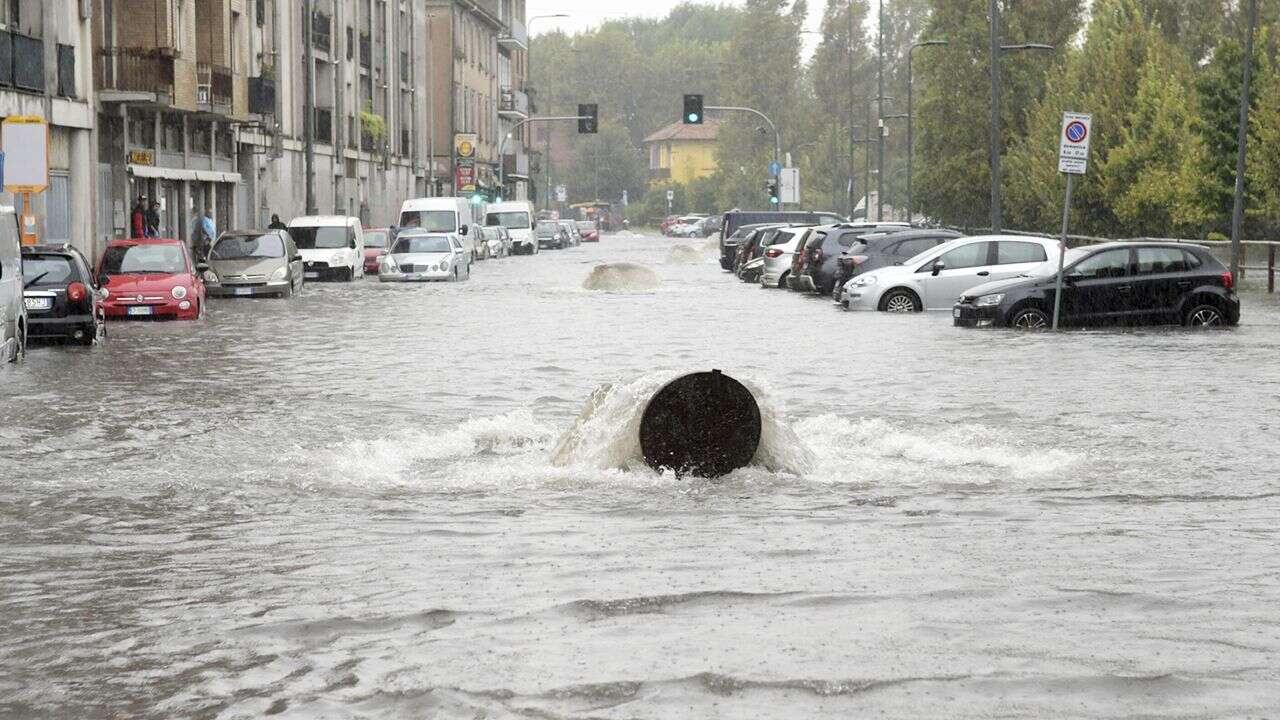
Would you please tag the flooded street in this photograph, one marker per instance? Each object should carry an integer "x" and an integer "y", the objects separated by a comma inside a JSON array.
[{"x": 353, "y": 505}]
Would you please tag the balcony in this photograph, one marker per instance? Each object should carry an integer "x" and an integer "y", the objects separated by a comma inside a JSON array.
[
  {"x": 133, "y": 74},
  {"x": 513, "y": 104},
  {"x": 21, "y": 61},
  {"x": 516, "y": 165},
  {"x": 262, "y": 95},
  {"x": 515, "y": 36},
  {"x": 214, "y": 87}
]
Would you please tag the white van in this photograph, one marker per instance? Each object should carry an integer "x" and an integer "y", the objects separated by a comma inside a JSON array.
[
  {"x": 331, "y": 246},
  {"x": 519, "y": 219},
  {"x": 13, "y": 310},
  {"x": 442, "y": 215}
]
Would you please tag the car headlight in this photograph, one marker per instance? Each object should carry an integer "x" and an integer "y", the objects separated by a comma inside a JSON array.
[
  {"x": 178, "y": 292},
  {"x": 990, "y": 300},
  {"x": 280, "y": 273},
  {"x": 444, "y": 265},
  {"x": 337, "y": 259},
  {"x": 211, "y": 277},
  {"x": 864, "y": 281}
]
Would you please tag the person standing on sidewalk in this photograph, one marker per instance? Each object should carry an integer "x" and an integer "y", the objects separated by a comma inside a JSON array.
[{"x": 138, "y": 218}]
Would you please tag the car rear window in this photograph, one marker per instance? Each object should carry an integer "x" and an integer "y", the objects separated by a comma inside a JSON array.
[
  {"x": 1012, "y": 253},
  {"x": 1156, "y": 260},
  {"x": 48, "y": 270}
]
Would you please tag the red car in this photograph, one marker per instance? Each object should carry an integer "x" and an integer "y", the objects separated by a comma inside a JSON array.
[
  {"x": 376, "y": 242},
  {"x": 667, "y": 223},
  {"x": 150, "y": 278},
  {"x": 588, "y": 230}
]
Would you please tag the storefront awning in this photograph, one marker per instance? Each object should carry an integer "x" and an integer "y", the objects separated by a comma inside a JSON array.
[{"x": 166, "y": 173}]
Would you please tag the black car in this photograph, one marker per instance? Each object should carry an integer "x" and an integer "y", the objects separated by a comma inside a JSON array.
[
  {"x": 1130, "y": 283},
  {"x": 733, "y": 220},
  {"x": 874, "y": 251},
  {"x": 61, "y": 295},
  {"x": 822, "y": 242},
  {"x": 748, "y": 246}
]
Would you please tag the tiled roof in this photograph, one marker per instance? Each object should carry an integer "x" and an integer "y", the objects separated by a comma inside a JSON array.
[{"x": 708, "y": 131}]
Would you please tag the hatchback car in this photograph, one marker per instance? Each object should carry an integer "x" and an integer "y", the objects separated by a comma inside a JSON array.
[
  {"x": 824, "y": 245},
  {"x": 376, "y": 241},
  {"x": 934, "y": 279},
  {"x": 571, "y": 232},
  {"x": 253, "y": 263},
  {"x": 61, "y": 296},
  {"x": 550, "y": 235},
  {"x": 777, "y": 258},
  {"x": 13, "y": 311},
  {"x": 588, "y": 230},
  {"x": 497, "y": 241},
  {"x": 150, "y": 278},
  {"x": 1111, "y": 284},
  {"x": 872, "y": 252},
  {"x": 421, "y": 256}
]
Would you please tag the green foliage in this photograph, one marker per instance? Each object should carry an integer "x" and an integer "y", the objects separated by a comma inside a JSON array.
[{"x": 372, "y": 123}]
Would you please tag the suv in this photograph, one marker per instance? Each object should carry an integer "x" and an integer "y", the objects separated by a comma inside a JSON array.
[
  {"x": 61, "y": 295},
  {"x": 1111, "y": 284},
  {"x": 13, "y": 311}
]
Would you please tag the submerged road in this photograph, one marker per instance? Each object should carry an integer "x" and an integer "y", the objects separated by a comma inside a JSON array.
[{"x": 357, "y": 504}]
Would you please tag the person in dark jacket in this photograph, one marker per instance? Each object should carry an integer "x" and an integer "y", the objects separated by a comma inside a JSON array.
[
  {"x": 153, "y": 220},
  {"x": 276, "y": 224},
  {"x": 138, "y": 218}
]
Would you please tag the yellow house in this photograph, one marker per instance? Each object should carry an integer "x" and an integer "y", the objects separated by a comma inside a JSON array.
[{"x": 683, "y": 152}]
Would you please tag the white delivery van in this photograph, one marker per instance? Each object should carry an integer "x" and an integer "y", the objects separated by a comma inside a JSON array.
[
  {"x": 519, "y": 219},
  {"x": 13, "y": 309},
  {"x": 442, "y": 215},
  {"x": 331, "y": 246}
]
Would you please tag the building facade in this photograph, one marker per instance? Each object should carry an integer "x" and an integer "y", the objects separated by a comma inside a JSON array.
[
  {"x": 46, "y": 65},
  {"x": 683, "y": 153}
]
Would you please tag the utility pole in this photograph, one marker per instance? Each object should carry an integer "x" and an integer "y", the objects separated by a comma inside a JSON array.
[
  {"x": 852, "y": 138},
  {"x": 309, "y": 108},
  {"x": 1242, "y": 144},
  {"x": 431, "y": 103},
  {"x": 880, "y": 114},
  {"x": 998, "y": 50}
]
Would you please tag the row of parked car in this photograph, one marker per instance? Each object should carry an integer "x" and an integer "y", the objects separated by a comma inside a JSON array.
[
  {"x": 984, "y": 281},
  {"x": 690, "y": 226},
  {"x": 54, "y": 292}
]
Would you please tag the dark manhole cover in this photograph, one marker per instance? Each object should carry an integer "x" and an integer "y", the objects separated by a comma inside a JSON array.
[{"x": 705, "y": 424}]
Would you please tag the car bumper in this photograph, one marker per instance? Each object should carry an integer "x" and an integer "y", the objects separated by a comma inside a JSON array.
[
  {"x": 155, "y": 311},
  {"x": 371, "y": 267},
  {"x": 321, "y": 271},
  {"x": 862, "y": 298},
  {"x": 429, "y": 276},
  {"x": 255, "y": 290},
  {"x": 59, "y": 327},
  {"x": 969, "y": 315},
  {"x": 803, "y": 283}
]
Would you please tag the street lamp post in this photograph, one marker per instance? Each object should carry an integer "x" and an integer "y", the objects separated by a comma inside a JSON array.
[
  {"x": 911, "y": 115},
  {"x": 880, "y": 113},
  {"x": 997, "y": 212},
  {"x": 884, "y": 132},
  {"x": 1242, "y": 140}
]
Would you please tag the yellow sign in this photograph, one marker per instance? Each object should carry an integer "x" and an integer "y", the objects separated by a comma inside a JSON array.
[
  {"x": 26, "y": 154},
  {"x": 142, "y": 157},
  {"x": 464, "y": 145}
]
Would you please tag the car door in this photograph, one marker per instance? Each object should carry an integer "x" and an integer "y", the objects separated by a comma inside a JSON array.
[
  {"x": 1017, "y": 257},
  {"x": 295, "y": 260},
  {"x": 963, "y": 267},
  {"x": 1099, "y": 288},
  {"x": 1160, "y": 277}
]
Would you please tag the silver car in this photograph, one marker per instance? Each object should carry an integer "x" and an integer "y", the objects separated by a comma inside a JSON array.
[
  {"x": 421, "y": 256},
  {"x": 778, "y": 256},
  {"x": 253, "y": 263},
  {"x": 13, "y": 310},
  {"x": 497, "y": 240}
]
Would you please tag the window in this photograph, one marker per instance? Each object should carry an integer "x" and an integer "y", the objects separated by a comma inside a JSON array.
[
  {"x": 1012, "y": 253},
  {"x": 171, "y": 132},
  {"x": 1156, "y": 260},
  {"x": 911, "y": 248},
  {"x": 1106, "y": 264},
  {"x": 965, "y": 256},
  {"x": 847, "y": 239}
]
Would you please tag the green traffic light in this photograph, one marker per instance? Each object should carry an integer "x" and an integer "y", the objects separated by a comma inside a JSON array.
[{"x": 693, "y": 117}]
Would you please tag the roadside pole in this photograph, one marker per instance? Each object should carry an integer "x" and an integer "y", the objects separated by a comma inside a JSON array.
[
  {"x": 502, "y": 150},
  {"x": 1073, "y": 159},
  {"x": 776, "y": 166}
]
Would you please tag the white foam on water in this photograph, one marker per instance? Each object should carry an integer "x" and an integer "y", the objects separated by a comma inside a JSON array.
[
  {"x": 621, "y": 277},
  {"x": 685, "y": 255}
]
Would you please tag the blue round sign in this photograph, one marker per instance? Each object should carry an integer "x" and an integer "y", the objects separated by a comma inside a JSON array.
[
  {"x": 1077, "y": 131},
  {"x": 775, "y": 168}
]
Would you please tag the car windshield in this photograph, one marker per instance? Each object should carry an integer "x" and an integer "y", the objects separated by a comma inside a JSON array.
[
  {"x": 47, "y": 270},
  {"x": 143, "y": 259},
  {"x": 430, "y": 220},
  {"x": 1049, "y": 269},
  {"x": 509, "y": 220},
  {"x": 375, "y": 239},
  {"x": 319, "y": 238},
  {"x": 243, "y": 247},
  {"x": 421, "y": 244},
  {"x": 546, "y": 230}
]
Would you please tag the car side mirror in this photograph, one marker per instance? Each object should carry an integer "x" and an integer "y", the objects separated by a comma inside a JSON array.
[
  {"x": 104, "y": 280},
  {"x": 462, "y": 231},
  {"x": 938, "y": 268},
  {"x": 1072, "y": 277},
  {"x": 202, "y": 267}
]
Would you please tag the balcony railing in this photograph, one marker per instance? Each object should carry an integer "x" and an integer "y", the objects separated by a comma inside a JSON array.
[
  {"x": 367, "y": 143},
  {"x": 321, "y": 30},
  {"x": 262, "y": 95},
  {"x": 324, "y": 125},
  {"x": 133, "y": 70},
  {"x": 516, "y": 34},
  {"x": 513, "y": 102},
  {"x": 366, "y": 52},
  {"x": 213, "y": 85},
  {"x": 66, "y": 71}
]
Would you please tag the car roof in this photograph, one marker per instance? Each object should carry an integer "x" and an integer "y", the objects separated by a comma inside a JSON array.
[
  {"x": 120, "y": 242},
  {"x": 252, "y": 231},
  {"x": 1140, "y": 243},
  {"x": 323, "y": 221},
  {"x": 50, "y": 249}
]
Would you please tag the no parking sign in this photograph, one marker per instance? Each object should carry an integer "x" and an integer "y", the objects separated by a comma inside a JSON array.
[{"x": 1073, "y": 147}]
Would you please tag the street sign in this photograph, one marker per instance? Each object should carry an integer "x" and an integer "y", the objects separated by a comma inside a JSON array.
[
  {"x": 464, "y": 152},
  {"x": 1073, "y": 147},
  {"x": 775, "y": 167},
  {"x": 26, "y": 151},
  {"x": 671, "y": 195},
  {"x": 562, "y": 193},
  {"x": 790, "y": 185}
]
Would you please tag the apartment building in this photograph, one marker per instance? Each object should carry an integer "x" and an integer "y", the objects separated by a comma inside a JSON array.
[
  {"x": 45, "y": 71},
  {"x": 479, "y": 68}
]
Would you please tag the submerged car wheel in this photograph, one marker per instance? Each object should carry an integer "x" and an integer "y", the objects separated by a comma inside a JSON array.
[
  {"x": 1030, "y": 319},
  {"x": 1205, "y": 316},
  {"x": 900, "y": 301}
]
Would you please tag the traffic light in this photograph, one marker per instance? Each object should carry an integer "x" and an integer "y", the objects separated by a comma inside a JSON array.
[
  {"x": 693, "y": 110},
  {"x": 588, "y": 119},
  {"x": 772, "y": 188}
]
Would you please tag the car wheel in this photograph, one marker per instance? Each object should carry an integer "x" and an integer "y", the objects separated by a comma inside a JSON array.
[
  {"x": 1030, "y": 319},
  {"x": 900, "y": 301},
  {"x": 1205, "y": 315},
  {"x": 782, "y": 279},
  {"x": 20, "y": 349},
  {"x": 88, "y": 335}
]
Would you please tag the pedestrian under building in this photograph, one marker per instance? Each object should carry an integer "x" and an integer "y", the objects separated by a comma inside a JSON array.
[
  {"x": 153, "y": 220},
  {"x": 276, "y": 224},
  {"x": 138, "y": 218}
]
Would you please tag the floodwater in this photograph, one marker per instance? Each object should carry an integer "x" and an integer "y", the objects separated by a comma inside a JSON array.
[{"x": 358, "y": 505}]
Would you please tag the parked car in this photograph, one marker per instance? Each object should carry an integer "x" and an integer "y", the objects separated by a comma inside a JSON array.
[
  {"x": 517, "y": 217},
  {"x": 740, "y": 236},
  {"x": 667, "y": 222},
  {"x": 61, "y": 295},
  {"x": 734, "y": 219},
  {"x": 457, "y": 215},
  {"x": 801, "y": 277},
  {"x": 934, "y": 279},
  {"x": 749, "y": 248},
  {"x": 777, "y": 260},
  {"x": 376, "y": 241},
  {"x": 13, "y": 310},
  {"x": 1111, "y": 284},
  {"x": 253, "y": 263},
  {"x": 877, "y": 250},
  {"x": 497, "y": 241},
  {"x": 589, "y": 231},
  {"x": 150, "y": 278},
  {"x": 332, "y": 246},
  {"x": 549, "y": 234},
  {"x": 418, "y": 255},
  {"x": 767, "y": 238},
  {"x": 571, "y": 232},
  {"x": 710, "y": 225}
]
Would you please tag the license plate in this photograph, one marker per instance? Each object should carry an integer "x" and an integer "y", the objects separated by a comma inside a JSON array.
[
  {"x": 955, "y": 312},
  {"x": 310, "y": 275},
  {"x": 38, "y": 303},
  {"x": 139, "y": 310},
  {"x": 242, "y": 291}
]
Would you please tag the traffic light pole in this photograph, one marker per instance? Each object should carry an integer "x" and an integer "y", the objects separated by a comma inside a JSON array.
[
  {"x": 502, "y": 147},
  {"x": 777, "y": 139}
]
